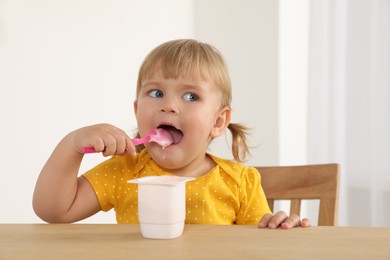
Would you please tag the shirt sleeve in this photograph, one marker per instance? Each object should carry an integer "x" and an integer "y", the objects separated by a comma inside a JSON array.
[
  {"x": 253, "y": 202},
  {"x": 103, "y": 180}
]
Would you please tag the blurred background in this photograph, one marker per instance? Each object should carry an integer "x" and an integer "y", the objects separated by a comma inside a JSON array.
[{"x": 311, "y": 78}]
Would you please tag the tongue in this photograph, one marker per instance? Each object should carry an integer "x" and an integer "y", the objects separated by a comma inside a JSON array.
[{"x": 177, "y": 135}]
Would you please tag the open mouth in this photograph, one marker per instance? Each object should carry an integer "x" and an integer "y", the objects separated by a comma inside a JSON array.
[{"x": 177, "y": 134}]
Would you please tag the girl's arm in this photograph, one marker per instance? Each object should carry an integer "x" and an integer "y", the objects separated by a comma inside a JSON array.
[{"x": 61, "y": 196}]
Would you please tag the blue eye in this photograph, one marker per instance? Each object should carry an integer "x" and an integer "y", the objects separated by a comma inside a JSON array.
[
  {"x": 156, "y": 93},
  {"x": 190, "y": 97}
]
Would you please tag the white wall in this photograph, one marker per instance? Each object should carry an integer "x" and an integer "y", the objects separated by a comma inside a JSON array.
[
  {"x": 67, "y": 64},
  {"x": 293, "y": 43}
]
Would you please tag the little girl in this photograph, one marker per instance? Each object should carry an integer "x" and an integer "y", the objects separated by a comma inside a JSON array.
[{"x": 184, "y": 87}]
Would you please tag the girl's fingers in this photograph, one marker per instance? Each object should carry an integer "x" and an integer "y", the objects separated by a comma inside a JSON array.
[
  {"x": 124, "y": 144},
  {"x": 99, "y": 145},
  {"x": 121, "y": 145},
  {"x": 305, "y": 222},
  {"x": 265, "y": 220},
  {"x": 272, "y": 221},
  {"x": 291, "y": 221},
  {"x": 110, "y": 143},
  {"x": 130, "y": 148},
  {"x": 116, "y": 141},
  {"x": 280, "y": 219},
  {"x": 277, "y": 219}
]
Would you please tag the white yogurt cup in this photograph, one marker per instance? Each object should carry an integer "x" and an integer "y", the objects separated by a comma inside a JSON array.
[{"x": 161, "y": 205}]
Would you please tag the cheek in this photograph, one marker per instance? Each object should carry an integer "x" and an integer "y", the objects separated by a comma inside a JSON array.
[
  {"x": 144, "y": 113},
  {"x": 201, "y": 121},
  {"x": 143, "y": 107}
]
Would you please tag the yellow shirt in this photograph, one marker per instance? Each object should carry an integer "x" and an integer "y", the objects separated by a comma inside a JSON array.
[{"x": 230, "y": 193}]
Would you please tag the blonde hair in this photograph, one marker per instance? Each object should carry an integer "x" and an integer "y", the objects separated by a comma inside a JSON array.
[{"x": 187, "y": 57}]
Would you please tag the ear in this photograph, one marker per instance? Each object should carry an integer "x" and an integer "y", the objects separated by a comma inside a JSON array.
[{"x": 221, "y": 122}]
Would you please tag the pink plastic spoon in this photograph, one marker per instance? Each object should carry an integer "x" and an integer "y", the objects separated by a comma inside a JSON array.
[{"x": 160, "y": 136}]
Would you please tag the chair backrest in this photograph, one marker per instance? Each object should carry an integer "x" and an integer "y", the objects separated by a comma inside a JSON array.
[{"x": 296, "y": 183}]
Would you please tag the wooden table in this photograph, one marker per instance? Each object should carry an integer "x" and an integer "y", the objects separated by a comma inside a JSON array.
[{"x": 110, "y": 241}]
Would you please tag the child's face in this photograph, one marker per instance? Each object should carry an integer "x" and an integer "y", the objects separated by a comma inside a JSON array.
[{"x": 189, "y": 108}]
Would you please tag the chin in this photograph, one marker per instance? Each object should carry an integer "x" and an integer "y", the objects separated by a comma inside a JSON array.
[
  {"x": 163, "y": 158},
  {"x": 168, "y": 166}
]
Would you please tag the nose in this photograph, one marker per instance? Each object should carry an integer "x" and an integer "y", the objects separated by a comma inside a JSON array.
[
  {"x": 169, "y": 109},
  {"x": 169, "y": 105}
]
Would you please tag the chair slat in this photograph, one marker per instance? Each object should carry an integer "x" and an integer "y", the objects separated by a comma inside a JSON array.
[
  {"x": 295, "y": 207},
  {"x": 271, "y": 204}
]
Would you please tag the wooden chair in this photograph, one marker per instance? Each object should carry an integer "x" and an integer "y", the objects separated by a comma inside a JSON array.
[{"x": 305, "y": 182}]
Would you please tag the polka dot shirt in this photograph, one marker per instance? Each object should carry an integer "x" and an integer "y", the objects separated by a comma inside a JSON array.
[{"x": 230, "y": 193}]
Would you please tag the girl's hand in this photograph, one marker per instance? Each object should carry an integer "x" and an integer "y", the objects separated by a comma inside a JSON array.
[
  {"x": 280, "y": 219},
  {"x": 104, "y": 138}
]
